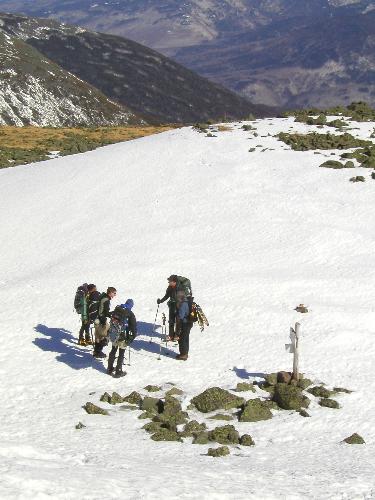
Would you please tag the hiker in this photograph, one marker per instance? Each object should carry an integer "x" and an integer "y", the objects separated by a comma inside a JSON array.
[
  {"x": 80, "y": 305},
  {"x": 175, "y": 284},
  {"x": 184, "y": 325},
  {"x": 93, "y": 299},
  {"x": 101, "y": 325},
  {"x": 122, "y": 332}
]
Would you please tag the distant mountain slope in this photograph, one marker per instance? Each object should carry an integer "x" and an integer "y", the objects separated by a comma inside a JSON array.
[
  {"x": 130, "y": 74},
  {"x": 35, "y": 91},
  {"x": 259, "y": 48}
]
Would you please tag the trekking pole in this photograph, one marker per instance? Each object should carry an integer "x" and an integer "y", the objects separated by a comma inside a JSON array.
[
  {"x": 163, "y": 329},
  {"x": 153, "y": 328},
  {"x": 91, "y": 336},
  {"x": 129, "y": 354}
]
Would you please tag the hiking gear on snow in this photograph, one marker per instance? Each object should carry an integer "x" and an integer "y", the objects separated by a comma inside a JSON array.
[
  {"x": 182, "y": 357},
  {"x": 119, "y": 374},
  {"x": 201, "y": 317},
  {"x": 99, "y": 354},
  {"x": 79, "y": 296},
  {"x": 123, "y": 325}
]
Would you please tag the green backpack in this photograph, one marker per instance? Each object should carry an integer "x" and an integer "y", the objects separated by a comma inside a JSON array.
[{"x": 184, "y": 285}]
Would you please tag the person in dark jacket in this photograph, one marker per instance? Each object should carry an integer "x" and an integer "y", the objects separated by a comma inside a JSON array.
[
  {"x": 101, "y": 325},
  {"x": 85, "y": 325},
  {"x": 170, "y": 294},
  {"x": 184, "y": 325},
  {"x": 121, "y": 336}
]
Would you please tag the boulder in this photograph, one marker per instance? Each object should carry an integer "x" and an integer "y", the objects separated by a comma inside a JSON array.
[
  {"x": 152, "y": 388},
  {"x": 271, "y": 378},
  {"x": 171, "y": 406},
  {"x": 341, "y": 389},
  {"x": 133, "y": 398},
  {"x": 320, "y": 392},
  {"x": 105, "y": 397},
  {"x": 290, "y": 397},
  {"x": 192, "y": 428},
  {"x": 94, "y": 410},
  {"x": 115, "y": 399},
  {"x": 244, "y": 386},
  {"x": 200, "y": 437},
  {"x": 166, "y": 435},
  {"x": 225, "y": 434},
  {"x": 304, "y": 413},
  {"x": 221, "y": 416},
  {"x": 152, "y": 427},
  {"x": 254, "y": 411},
  {"x": 178, "y": 418},
  {"x": 246, "y": 440},
  {"x": 146, "y": 414},
  {"x": 284, "y": 377},
  {"x": 354, "y": 439},
  {"x": 152, "y": 405},
  {"x": 216, "y": 398},
  {"x": 222, "y": 451},
  {"x": 304, "y": 383},
  {"x": 329, "y": 403},
  {"x": 174, "y": 392},
  {"x": 80, "y": 425}
]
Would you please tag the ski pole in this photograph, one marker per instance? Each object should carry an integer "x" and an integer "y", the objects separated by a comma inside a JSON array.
[
  {"x": 163, "y": 329},
  {"x": 91, "y": 336},
  {"x": 153, "y": 328},
  {"x": 129, "y": 355}
]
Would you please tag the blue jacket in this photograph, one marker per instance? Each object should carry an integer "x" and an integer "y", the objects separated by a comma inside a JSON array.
[{"x": 183, "y": 311}]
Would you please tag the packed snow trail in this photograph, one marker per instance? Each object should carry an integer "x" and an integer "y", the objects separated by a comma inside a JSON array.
[{"x": 257, "y": 234}]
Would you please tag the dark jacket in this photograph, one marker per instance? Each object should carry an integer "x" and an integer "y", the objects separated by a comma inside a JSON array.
[
  {"x": 131, "y": 330},
  {"x": 170, "y": 294},
  {"x": 104, "y": 307},
  {"x": 93, "y": 305}
]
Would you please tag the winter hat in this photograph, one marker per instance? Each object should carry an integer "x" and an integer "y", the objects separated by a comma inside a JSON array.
[{"x": 128, "y": 304}]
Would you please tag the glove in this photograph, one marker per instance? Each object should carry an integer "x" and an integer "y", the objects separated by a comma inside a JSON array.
[{"x": 158, "y": 301}]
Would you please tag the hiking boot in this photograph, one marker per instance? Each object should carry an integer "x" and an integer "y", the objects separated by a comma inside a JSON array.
[
  {"x": 119, "y": 374},
  {"x": 88, "y": 341},
  {"x": 99, "y": 355},
  {"x": 182, "y": 357},
  {"x": 109, "y": 371}
]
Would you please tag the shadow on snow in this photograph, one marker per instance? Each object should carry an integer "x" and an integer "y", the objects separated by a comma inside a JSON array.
[{"x": 64, "y": 343}]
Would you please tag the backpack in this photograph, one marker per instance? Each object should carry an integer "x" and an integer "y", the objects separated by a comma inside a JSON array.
[
  {"x": 78, "y": 299},
  {"x": 193, "y": 315},
  {"x": 117, "y": 329},
  {"x": 184, "y": 285}
]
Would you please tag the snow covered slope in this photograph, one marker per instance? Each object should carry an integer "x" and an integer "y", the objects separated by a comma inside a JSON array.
[{"x": 257, "y": 233}]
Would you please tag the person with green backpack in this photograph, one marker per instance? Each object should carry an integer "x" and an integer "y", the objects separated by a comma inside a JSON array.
[{"x": 175, "y": 284}]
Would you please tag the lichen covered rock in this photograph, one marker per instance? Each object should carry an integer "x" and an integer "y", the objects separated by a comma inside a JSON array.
[
  {"x": 152, "y": 405},
  {"x": 329, "y": 403},
  {"x": 94, "y": 410},
  {"x": 152, "y": 427},
  {"x": 80, "y": 425},
  {"x": 225, "y": 434},
  {"x": 342, "y": 389},
  {"x": 193, "y": 427},
  {"x": 216, "y": 398},
  {"x": 133, "y": 398},
  {"x": 105, "y": 397},
  {"x": 115, "y": 399},
  {"x": 246, "y": 440},
  {"x": 304, "y": 413},
  {"x": 171, "y": 406},
  {"x": 200, "y": 437},
  {"x": 222, "y": 451},
  {"x": 166, "y": 435},
  {"x": 290, "y": 397},
  {"x": 244, "y": 386},
  {"x": 354, "y": 439},
  {"x": 174, "y": 392},
  {"x": 254, "y": 411},
  {"x": 152, "y": 388},
  {"x": 320, "y": 392},
  {"x": 221, "y": 416},
  {"x": 271, "y": 378}
]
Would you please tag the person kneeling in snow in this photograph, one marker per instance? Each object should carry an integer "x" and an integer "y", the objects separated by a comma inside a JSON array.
[
  {"x": 122, "y": 332},
  {"x": 184, "y": 325}
]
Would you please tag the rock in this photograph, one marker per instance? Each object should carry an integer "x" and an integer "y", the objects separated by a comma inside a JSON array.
[
  {"x": 272, "y": 405},
  {"x": 174, "y": 392},
  {"x": 190, "y": 407},
  {"x": 246, "y": 440},
  {"x": 301, "y": 309},
  {"x": 170, "y": 420},
  {"x": 129, "y": 407},
  {"x": 222, "y": 451},
  {"x": 254, "y": 411},
  {"x": 152, "y": 427},
  {"x": 145, "y": 415},
  {"x": 304, "y": 413},
  {"x": 354, "y": 439},
  {"x": 332, "y": 164},
  {"x": 152, "y": 388},
  {"x": 304, "y": 383},
  {"x": 152, "y": 405},
  {"x": 216, "y": 398},
  {"x": 268, "y": 388},
  {"x": 105, "y": 397},
  {"x": 133, "y": 398},
  {"x": 372, "y": 175},
  {"x": 349, "y": 164},
  {"x": 271, "y": 378},
  {"x": 244, "y": 386},
  {"x": 251, "y": 150},
  {"x": 221, "y": 416},
  {"x": 225, "y": 434},
  {"x": 290, "y": 397},
  {"x": 80, "y": 425},
  {"x": 115, "y": 399},
  {"x": 329, "y": 403},
  {"x": 171, "y": 406},
  {"x": 192, "y": 428},
  {"x": 200, "y": 437},
  {"x": 166, "y": 435},
  {"x": 320, "y": 392},
  {"x": 357, "y": 178},
  {"x": 94, "y": 410},
  {"x": 341, "y": 389},
  {"x": 284, "y": 377}
]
